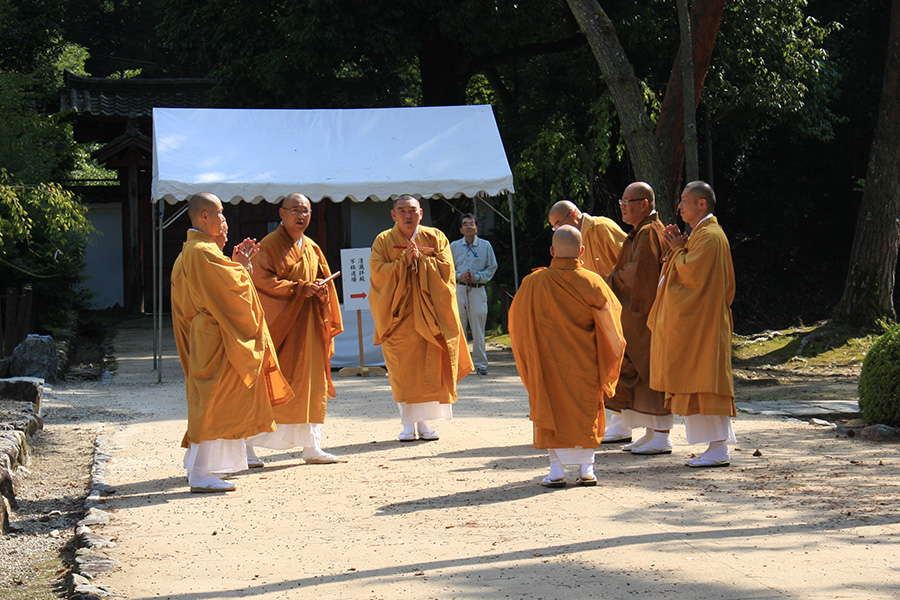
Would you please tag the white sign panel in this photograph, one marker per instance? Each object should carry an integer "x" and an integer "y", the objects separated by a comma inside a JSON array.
[{"x": 355, "y": 273}]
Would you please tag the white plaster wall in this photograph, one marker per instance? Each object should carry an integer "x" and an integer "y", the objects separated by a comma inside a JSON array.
[{"x": 104, "y": 256}]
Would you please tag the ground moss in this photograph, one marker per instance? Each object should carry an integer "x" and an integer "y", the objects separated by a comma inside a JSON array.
[{"x": 820, "y": 345}]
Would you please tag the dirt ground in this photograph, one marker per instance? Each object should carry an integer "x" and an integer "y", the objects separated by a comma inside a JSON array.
[{"x": 802, "y": 512}]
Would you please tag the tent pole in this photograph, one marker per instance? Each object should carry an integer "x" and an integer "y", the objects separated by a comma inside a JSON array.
[
  {"x": 512, "y": 233},
  {"x": 153, "y": 222},
  {"x": 163, "y": 225},
  {"x": 162, "y": 209}
]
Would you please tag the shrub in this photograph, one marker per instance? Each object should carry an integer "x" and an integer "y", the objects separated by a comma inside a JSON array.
[
  {"x": 879, "y": 381},
  {"x": 43, "y": 232}
]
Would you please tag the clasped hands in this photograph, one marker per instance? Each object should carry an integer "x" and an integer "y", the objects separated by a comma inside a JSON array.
[
  {"x": 673, "y": 236},
  {"x": 315, "y": 288},
  {"x": 244, "y": 251},
  {"x": 412, "y": 254}
]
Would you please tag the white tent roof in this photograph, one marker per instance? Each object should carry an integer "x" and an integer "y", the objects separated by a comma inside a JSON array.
[{"x": 252, "y": 155}]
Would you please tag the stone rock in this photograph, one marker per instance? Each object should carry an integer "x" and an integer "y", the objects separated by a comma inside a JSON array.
[
  {"x": 95, "y": 541},
  {"x": 879, "y": 432},
  {"x": 23, "y": 389},
  {"x": 13, "y": 449},
  {"x": 95, "y": 516},
  {"x": 822, "y": 423},
  {"x": 78, "y": 579},
  {"x": 7, "y": 488},
  {"x": 15, "y": 417},
  {"x": 36, "y": 356},
  {"x": 85, "y": 593},
  {"x": 4, "y": 516},
  {"x": 92, "y": 565}
]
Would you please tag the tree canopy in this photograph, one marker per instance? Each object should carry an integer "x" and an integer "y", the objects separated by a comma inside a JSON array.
[
  {"x": 43, "y": 228},
  {"x": 784, "y": 80}
]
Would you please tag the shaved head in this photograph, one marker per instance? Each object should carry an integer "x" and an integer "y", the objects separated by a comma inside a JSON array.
[
  {"x": 642, "y": 189},
  {"x": 561, "y": 208},
  {"x": 701, "y": 189},
  {"x": 566, "y": 242},
  {"x": 406, "y": 199},
  {"x": 564, "y": 212},
  {"x": 295, "y": 197},
  {"x": 206, "y": 212},
  {"x": 200, "y": 202}
]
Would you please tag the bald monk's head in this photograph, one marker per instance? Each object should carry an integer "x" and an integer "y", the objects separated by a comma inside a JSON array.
[
  {"x": 205, "y": 211},
  {"x": 697, "y": 200},
  {"x": 638, "y": 201},
  {"x": 703, "y": 190},
  {"x": 565, "y": 212},
  {"x": 407, "y": 213},
  {"x": 295, "y": 213},
  {"x": 566, "y": 243}
]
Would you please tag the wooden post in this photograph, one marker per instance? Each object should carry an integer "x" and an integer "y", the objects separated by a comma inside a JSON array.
[
  {"x": 17, "y": 318},
  {"x": 504, "y": 293},
  {"x": 10, "y": 325},
  {"x": 362, "y": 370},
  {"x": 25, "y": 312}
]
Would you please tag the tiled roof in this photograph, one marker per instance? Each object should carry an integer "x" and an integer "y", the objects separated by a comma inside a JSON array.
[{"x": 98, "y": 96}]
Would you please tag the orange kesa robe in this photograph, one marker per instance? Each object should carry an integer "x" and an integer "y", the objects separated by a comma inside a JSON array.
[
  {"x": 230, "y": 369},
  {"x": 416, "y": 317},
  {"x": 568, "y": 344},
  {"x": 602, "y": 239},
  {"x": 691, "y": 325},
  {"x": 634, "y": 280},
  {"x": 303, "y": 329}
]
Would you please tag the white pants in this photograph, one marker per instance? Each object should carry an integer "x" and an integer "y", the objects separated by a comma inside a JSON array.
[
  {"x": 410, "y": 414},
  {"x": 216, "y": 456},
  {"x": 292, "y": 435},
  {"x": 632, "y": 419},
  {"x": 702, "y": 429},
  {"x": 473, "y": 309},
  {"x": 572, "y": 456}
]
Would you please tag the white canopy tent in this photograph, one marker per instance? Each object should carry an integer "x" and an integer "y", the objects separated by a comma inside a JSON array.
[{"x": 250, "y": 155}]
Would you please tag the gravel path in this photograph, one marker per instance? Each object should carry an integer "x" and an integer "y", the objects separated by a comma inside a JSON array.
[{"x": 802, "y": 512}]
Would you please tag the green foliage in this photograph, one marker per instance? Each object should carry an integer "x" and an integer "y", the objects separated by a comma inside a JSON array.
[
  {"x": 771, "y": 63},
  {"x": 43, "y": 228},
  {"x": 36, "y": 144},
  {"x": 879, "y": 381},
  {"x": 569, "y": 161},
  {"x": 43, "y": 232}
]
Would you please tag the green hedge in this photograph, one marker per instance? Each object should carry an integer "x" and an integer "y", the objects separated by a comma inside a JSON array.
[{"x": 879, "y": 382}]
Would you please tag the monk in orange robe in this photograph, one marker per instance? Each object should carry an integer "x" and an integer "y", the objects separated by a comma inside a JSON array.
[
  {"x": 230, "y": 369},
  {"x": 412, "y": 292},
  {"x": 566, "y": 334},
  {"x": 691, "y": 327},
  {"x": 634, "y": 279},
  {"x": 304, "y": 316},
  {"x": 603, "y": 238}
]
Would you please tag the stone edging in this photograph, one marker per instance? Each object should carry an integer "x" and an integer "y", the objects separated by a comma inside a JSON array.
[
  {"x": 90, "y": 559},
  {"x": 20, "y": 418}
]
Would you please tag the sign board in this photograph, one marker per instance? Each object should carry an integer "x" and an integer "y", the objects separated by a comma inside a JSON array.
[{"x": 355, "y": 273}]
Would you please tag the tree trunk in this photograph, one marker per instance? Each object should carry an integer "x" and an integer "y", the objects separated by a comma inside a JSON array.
[
  {"x": 440, "y": 70},
  {"x": 656, "y": 157},
  {"x": 869, "y": 288},
  {"x": 706, "y": 17},
  {"x": 625, "y": 90},
  {"x": 688, "y": 101}
]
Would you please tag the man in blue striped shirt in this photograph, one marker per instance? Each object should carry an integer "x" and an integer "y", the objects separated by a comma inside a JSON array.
[{"x": 475, "y": 264}]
